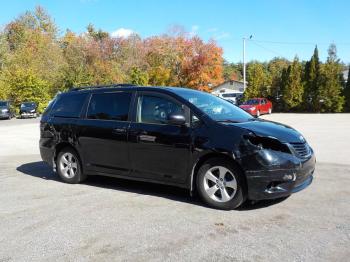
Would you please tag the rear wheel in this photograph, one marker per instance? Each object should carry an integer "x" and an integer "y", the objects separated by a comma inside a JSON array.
[
  {"x": 220, "y": 185},
  {"x": 69, "y": 166}
]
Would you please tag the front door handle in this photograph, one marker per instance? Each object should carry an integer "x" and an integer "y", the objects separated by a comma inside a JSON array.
[{"x": 119, "y": 131}]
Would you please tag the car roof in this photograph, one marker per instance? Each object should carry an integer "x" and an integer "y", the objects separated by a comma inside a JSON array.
[{"x": 97, "y": 89}]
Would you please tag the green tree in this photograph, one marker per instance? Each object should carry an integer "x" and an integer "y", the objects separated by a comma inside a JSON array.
[
  {"x": 312, "y": 82},
  {"x": 330, "y": 89},
  {"x": 276, "y": 67},
  {"x": 293, "y": 89},
  {"x": 23, "y": 85},
  {"x": 98, "y": 35},
  {"x": 257, "y": 78},
  {"x": 138, "y": 77}
]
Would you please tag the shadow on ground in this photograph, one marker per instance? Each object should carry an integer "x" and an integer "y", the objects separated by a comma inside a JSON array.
[{"x": 41, "y": 170}]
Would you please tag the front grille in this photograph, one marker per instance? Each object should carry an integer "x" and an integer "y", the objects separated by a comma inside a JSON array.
[{"x": 301, "y": 149}]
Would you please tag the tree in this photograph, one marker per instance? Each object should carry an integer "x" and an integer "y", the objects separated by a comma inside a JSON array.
[
  {"x": 257, "y": 77},
  {"x": 159, "y": 76},
  {"x": 276, "y": 67},
  {"x": 347, "y": 92},
  {"x": 24, "y": 85},
  {"x": 201, "y": 64},
  {"x": 330, "y": 89},
  {"x": 232, "y": 71},
  {"x": 138, "y": 77},
  {"x": 293, "y": 89},
  {"x": 312, "y": 82},
  {"x": 98, "y": 35}
]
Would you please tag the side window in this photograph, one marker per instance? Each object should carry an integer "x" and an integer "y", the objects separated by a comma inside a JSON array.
[
  {"x": 109, "y": 106},
  {"x": 69, "y": 105},
  {"x": 156, "y": 110}
]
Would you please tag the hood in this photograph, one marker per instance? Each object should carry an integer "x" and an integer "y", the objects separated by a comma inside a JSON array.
[
  {"x": 266, "y": 128},
  {"x": 3, "y": 107}
]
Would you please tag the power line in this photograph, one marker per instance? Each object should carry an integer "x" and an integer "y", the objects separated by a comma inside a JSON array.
[
  {"x": 267, "y": 49},
  {"x": 299, "y": 43}
]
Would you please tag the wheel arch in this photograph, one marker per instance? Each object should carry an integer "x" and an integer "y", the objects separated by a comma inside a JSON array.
[
  {"x": 58, "y": 149},
  {"x": 208, "y": 156}
]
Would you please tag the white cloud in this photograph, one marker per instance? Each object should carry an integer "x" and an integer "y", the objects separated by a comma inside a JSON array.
[{"x": 122, "y": 32}]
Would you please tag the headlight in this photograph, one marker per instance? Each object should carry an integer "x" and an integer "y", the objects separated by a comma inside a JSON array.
[
  {"x": 252, "y": 108},
  {"x": 271, "y": 143},
  {"x": 32, "y": 111},
  {"x": 4, "y": 110}
]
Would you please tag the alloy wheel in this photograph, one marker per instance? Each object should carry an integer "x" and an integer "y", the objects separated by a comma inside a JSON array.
[
  {"x": 220, "y": 184},
  {"x": 68, "y": 165}
]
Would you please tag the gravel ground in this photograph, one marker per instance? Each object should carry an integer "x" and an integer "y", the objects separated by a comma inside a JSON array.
[{"x": 108, "y": 219}]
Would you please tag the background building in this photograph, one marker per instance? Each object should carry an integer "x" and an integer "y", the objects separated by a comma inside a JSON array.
[{"x": 231, "y": 86}]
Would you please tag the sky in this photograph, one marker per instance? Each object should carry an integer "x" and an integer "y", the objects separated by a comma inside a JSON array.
[{"x": 282, "y": 28}]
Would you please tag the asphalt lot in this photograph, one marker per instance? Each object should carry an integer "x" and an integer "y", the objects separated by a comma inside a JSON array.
[{"x": 108, "y": 219}]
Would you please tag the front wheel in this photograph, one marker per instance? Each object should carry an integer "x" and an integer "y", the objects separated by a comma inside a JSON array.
[
  {"x": 69, "y": 166},
  {"x": 220, "y": 185}
]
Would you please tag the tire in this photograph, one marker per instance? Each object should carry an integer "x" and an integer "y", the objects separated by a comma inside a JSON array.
[
  {"x": 68, "y": 166},
  {"x": 258, "y": 113},
  {"x": 270, "y": 111},
  {"x": 220, "y": 184}
]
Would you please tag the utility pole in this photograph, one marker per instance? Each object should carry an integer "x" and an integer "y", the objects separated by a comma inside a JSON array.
[
  {"x": 244, "y": 77},
  {"x": 244, "y": 69}
]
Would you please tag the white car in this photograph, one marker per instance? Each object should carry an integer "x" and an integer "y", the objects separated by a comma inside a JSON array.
[{"x": 231, "y": 97}]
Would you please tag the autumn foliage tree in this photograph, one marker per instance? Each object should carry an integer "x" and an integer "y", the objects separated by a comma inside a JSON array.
[{"x": 36, "y": 62}]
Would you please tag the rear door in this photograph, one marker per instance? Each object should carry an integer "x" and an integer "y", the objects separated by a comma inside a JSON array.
[
  {"x": 61, "y": 123},
  {"x": 158, "y": 150},
  {"x": 104, "y": 133}
]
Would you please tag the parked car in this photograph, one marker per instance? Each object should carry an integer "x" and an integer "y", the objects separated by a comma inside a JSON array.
[
  {"x": 6, "y": 111},
  {"x": 28, "y": 109},
  {"x": 257, "y": 106},
  {"x": 174, "y": 136},
  {"x": 233, "y": 98}
]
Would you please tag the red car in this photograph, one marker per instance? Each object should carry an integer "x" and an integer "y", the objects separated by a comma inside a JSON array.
[{"x": 257, "y": 106}]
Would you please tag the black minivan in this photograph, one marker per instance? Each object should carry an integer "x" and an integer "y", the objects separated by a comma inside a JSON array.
[{"x": 174, "y": 136}]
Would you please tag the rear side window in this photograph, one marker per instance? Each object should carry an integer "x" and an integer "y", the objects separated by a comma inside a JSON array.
[
  {"x": 109, "y": 106},
  {"x": 69, "y": 106}
]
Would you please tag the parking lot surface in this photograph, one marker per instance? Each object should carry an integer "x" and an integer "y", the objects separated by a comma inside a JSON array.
[{"x": 106, "y": 219}]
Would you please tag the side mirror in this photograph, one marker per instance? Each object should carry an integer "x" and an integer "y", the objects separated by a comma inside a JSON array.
[{"x": 178, "y": 120}]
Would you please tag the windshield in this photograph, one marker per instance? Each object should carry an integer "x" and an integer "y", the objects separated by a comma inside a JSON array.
[
  {"x": 2, "y": 103},
  {"x": 28, "y": 104},
  {"x": 251, "y": 102},
  {"x": 216, "y": 108}
]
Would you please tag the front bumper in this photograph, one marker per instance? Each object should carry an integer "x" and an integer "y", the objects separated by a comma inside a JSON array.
[
  {"x": 4, "y": 115},
  {"x": 280, "y": 181},
  {"x": 27, "y": 114}
]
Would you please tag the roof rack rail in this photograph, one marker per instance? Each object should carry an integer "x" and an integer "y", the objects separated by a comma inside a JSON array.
[{"x": 99, "y": 86}]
